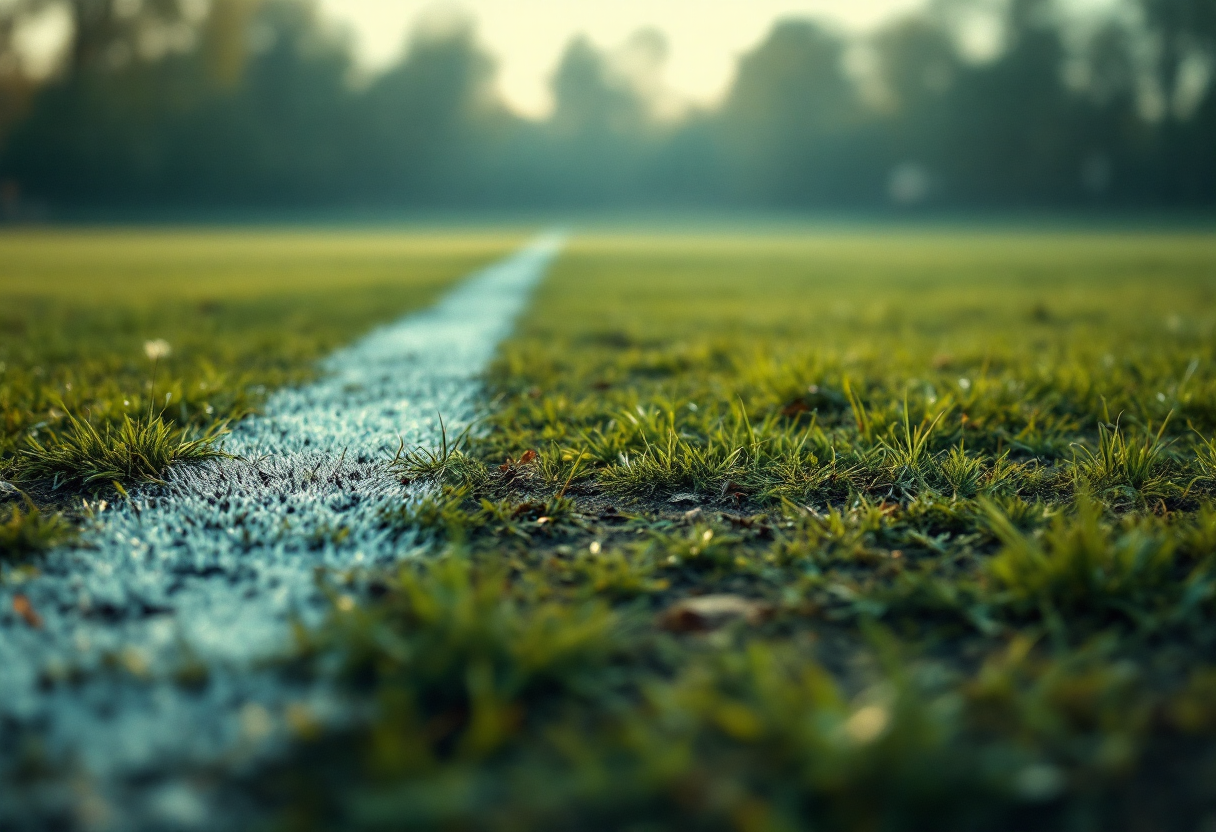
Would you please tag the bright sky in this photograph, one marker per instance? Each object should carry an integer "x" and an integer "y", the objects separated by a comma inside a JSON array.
[{"x": 705, "y": 37}]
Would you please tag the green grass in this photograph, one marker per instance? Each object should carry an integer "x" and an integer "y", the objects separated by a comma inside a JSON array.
[
  {"x": 139, "y": 450},
  {"x": 83, "y": 403},
  {"x": 963, "y": 481},
  {"x": 957, "y": 491},
  {"x": 25, "y": 532}
]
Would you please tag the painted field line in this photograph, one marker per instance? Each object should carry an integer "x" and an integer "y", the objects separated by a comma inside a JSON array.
[{"x": 210, "y": 569}]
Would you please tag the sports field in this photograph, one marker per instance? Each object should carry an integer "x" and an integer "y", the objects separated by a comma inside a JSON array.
[
  {"x": 241, "y": 311},
  {"x": 860, "y": 530}
]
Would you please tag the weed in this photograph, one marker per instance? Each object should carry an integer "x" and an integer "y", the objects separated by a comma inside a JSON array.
[
  {"x": 963, "y": 474},
  {"x": 1120, "y": 467},
  {"x": 1084, "y": 567},
  {"x": 1004, "y": 477},
  {"x": 1205, "y": 458},
  {"x": 908, "y": 451},
  {"x": 673, "y": 466},
  {"x": 860, "y": 417},
  {"x": 447, "y": 464},
  {"x": 135, "y": 451}
]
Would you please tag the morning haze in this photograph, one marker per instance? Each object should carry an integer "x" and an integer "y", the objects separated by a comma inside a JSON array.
[{"x": 1028, "y": 104}]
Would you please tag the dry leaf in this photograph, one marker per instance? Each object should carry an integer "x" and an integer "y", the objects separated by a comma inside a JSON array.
[
  {"x": 708, "y": 612},
  {"x": 528, "y": 457},
  {"x": 23, "y": 608}
]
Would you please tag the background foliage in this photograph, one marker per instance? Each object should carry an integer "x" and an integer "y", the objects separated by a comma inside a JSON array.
[{"x": 255, "y": 103}]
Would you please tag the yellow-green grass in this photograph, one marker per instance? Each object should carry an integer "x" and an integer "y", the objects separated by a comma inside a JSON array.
[
  {"x": 956, "y": 489},
  {"x": 1019, "y": 343},
  {"x": 243, "y": 312}
]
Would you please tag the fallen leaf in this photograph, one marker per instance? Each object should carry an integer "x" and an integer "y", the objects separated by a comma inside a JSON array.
[
  {"x": 529, "y": 456},
  {"x": 684, "y": 498},
  {"x": 23, "y": 608},
  {"x": 709, "y": 612}
]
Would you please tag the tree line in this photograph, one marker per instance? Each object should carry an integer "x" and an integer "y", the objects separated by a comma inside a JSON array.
[{"x": 258, "y": 103}]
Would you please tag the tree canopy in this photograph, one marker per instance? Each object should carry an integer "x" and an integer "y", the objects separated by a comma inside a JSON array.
[{"x": 257, "y": 103}]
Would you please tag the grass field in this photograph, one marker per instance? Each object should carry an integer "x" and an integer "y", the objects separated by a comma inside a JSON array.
[
  {"x": 862, "y": 531},
  {"x": 240, "y": 313},
  {"x": 872, "y": 531}
]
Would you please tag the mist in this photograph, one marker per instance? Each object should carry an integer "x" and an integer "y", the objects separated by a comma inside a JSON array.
[{"x": 239, "y": 104}]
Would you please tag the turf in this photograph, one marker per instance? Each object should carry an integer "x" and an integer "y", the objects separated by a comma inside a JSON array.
[
  {"x": 88, "y": 397},
  {"x": 880, "y": 530},
  {"x": 862, "y": 531}
]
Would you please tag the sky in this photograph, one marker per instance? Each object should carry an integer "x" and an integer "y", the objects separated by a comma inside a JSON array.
[{"x": 704, "y": 37}]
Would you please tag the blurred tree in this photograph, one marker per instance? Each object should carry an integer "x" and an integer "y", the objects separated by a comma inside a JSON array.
[
  {"x": 1113, "y": 134},
  {"x": 590, "y": 99},
  {"x": 1183, "y": 28},
  {"x": 598, "y": 133},
  {"x": 789, "y": 123},
  {"x": 16, "y": 86},
  {"x": 16, "y": 91},
  {"x": 1184, "y": 163},
  {"x": 109, "y": 33},
  {"x": 918, "y": 69},
  {"x": 157, "y": 126},
  {"x": 430, "y": 118},
  {"x": 226, "y": 39},
  {"x": 256, "y": 102},
  {"x": 1012, "y": 123}
]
